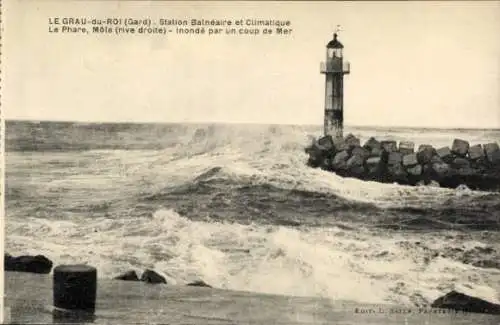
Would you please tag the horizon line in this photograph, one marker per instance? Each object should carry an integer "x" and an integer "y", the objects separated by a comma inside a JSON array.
[{"x": 247, "y": 123}]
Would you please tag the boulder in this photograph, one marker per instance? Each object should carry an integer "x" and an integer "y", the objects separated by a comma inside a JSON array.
[
  {"x": 372, "y": 143},
  {"x": 25, "y": 263},
  {"x": 375, "y": 169},
  {"x": 314, "y": 161},
  {"x": 410, "y": 160},
  {"x": 326, "y": 142},
  {"x": 355, "y": 165},
  {"x": 436, "y": 159},
  {"x": 376, "y": 152},
  {"x": 467, "y": 171},
  {"x": 441, "y": 169},
  {"x": 326, "y": 163},
  {"x": 373, "y": 161},
  {"x": 199, "y": 283},
  {"x": 128, "y": 276},
  {"x": 352, "y": 141},
  {"x": 395, "y": 158},
  {"x": 150, "y": 276},
  {"x": 490, "y": 149},
  {"x": 354, "y": 161},
  {"x": 340, "y": 144},
  {"x": 476, "y": 152},
  {"x": 406, "y": 147},
  {"x": 389, "y": 145},
  {"x": 361, "y": 152},
  {"x": 425, "y": 153},
  {"x": 460, "y": 147},
  {"x": 460, "y": 163},
  {"x": 397, "y": 172},
  {"x": 461, "y": 302},
  {"x": 414, "y": 170},
  {"x": 444, "y": 152},
  {"x": 340, "y": 160},
  {"x": 494, "y": 157},
  {"x": 316, "y": 151}
]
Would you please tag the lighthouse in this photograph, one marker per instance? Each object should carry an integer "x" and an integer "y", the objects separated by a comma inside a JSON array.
[{"x": 334, "y": 69}]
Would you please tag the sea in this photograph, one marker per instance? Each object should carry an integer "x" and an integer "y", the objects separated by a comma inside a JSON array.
[{"x": 235, "y": 205}]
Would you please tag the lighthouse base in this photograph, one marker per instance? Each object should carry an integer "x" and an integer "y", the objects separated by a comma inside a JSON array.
[{"x": 477, "y": 167}]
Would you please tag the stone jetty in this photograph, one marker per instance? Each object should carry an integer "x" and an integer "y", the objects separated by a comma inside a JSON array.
[{"x": 387, "y": 161}]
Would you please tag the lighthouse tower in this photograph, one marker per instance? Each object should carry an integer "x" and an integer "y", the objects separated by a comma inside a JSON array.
[{"x": 334, "y": 69}]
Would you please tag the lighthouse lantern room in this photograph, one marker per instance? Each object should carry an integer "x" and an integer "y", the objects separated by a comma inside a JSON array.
[{"x": 334, "y": 69}]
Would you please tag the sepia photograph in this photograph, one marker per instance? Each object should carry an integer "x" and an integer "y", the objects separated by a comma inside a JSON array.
[{"x": 250, "y": 162}]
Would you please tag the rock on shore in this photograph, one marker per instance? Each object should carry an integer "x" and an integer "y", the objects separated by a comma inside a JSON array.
[
  {"x": 477, "y": 166},
  {"x": 26, "y": 263},
  {"x": 461, "y": 302},
  {"x": 148, "y": 276},
  {"x": 128, "y": 276}
]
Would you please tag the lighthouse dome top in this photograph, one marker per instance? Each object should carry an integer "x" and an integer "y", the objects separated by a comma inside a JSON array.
[{"x": 334, "y": 43}]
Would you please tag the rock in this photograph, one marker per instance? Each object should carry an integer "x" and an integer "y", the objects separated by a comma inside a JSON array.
[
  {"x": 494, "y": 157},
  {"x": 326, "y": 142},
  {"x": 460, "y": 163},
  {"x": 313, "y": 161},
  {"x": 340, "y": 160},
  {"x": 361, "y": 152},
  {"x": 389, "y": 145},
  {"x": 128, "y": 276},
  {"x": 466, "y": 171},
  {"x": 395, "y": 158},
  {"x": 406, "y": 147},
  {"x": 340, "y": 144},
  {"x": 436, "y": 159},
  {"x": 425, "y": 153},
  {"x": 441, "y": 169},
  {"x": 150, "y": 276},
  {"x": 460, "y": 147},
  {"x": 373, "y": 161},
  {"x": 355, "y": 165},
  {"x": 376, "y": 152},
  {"x": 372, "y": 143},
  {"x": 444, "y": 152},
  {"x": 316, "y": 150},
  {"x": 33, "y": 264},
  {"x": 326, "y": 163},
  {"x": 476, "y": 152},
  {"x": 352, "y": 141},
  {"x": 354, "y": 161},
  {"x": 397, "y": 172},
  {"x": 490, "y": 149},
  {"x": 199, "y": 283},
  {"x": 414, "y": 170},
  {"x": 461, "y": 302},
  {"x": 410, "y": 160}
]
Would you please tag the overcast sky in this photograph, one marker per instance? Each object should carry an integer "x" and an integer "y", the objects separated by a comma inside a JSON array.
[{"x": 433, "y": 64}]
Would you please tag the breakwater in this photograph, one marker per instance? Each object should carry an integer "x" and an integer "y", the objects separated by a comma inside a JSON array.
[{"x": 387, "y": 161}]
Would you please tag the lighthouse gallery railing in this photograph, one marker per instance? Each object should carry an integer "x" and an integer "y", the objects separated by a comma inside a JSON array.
[{"x": 329, "y": 67}]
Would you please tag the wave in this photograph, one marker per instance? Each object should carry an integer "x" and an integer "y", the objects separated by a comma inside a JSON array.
[
  {"x": 238, "y": 208},
  {"x": 334, "y": 262},
  {"x": 218, "y": 194}
]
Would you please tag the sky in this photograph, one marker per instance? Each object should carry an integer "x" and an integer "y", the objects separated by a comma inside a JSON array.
[{"x": 427, "y": 64}]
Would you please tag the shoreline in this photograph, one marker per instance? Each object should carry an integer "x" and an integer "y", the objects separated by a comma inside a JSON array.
[{"x": 28, "y": 299}]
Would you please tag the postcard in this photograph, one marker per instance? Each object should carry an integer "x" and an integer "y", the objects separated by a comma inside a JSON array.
[{"x": 257, "y": 162}]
